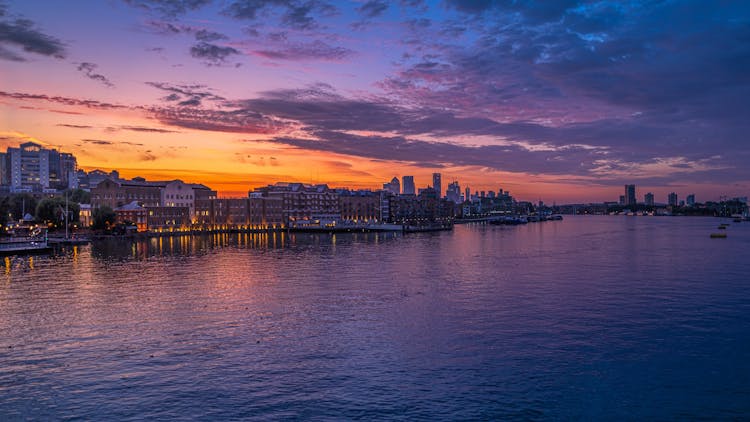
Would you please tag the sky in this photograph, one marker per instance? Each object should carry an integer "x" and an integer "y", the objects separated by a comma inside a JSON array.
[{"x": 564, "y": 101}]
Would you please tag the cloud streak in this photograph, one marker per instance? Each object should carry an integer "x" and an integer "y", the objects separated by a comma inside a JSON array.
[
  {"x": 22, "y": 34},
  {"x": 89, "y": 69}
]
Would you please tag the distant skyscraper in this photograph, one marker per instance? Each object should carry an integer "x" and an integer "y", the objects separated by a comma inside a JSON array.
[
  {"x": 467, "y": 196},
  {"x": 622, "y": 200},
  {"x": 394, "y": 186},
  {"x": 408, "y": 185},
  {"x": 437, "y": 184},
  {"x": 649, "y": 199},
  {"x": 630, "y": 195},
  {"x": 454, "y": 192},
  {"x": 690, "y": 200},
  {"x": 672, "y": 199}
]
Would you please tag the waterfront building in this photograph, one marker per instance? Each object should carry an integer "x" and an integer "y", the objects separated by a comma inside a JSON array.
[
  {"x": 116, "y": 193},
  {"x": 672, "y": 199},
  {"x": 408, "y": 185},
  {"x": 622, "y": 200},
  {"x": 690, "y": 200},
  {"x": 648, "y": 199},
  {"x": 437, "y": 184},
  {"x": 630, "y": 195},
  {"x": 168, "y": 218},
  {"x": 360, "y": 206},
  {"x": 254, "y": 212},
  {"x": 394, "y": 186},
  {"x": 304, "y": 202},
  {"x": 177, "y": 193},
  {"x": 467, "y": 194},
  {"x": 133, "y": 213}
]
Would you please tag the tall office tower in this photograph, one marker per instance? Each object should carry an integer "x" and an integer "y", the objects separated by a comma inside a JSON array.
[
  {"x": 630, "y": 195},
  {"x": 437, "y": 184},
  {"x": 690, "y": 200},
  {"x": 672, "y": 199},
  {"x": 29, "y": 166},
  {"x": 467, "y": 197},
  {"x": 454, "y": 192},
  {"x": 649, "y": 199},
  {"x": 408, "y": 185},
  {"x": 394, "y": 186}
]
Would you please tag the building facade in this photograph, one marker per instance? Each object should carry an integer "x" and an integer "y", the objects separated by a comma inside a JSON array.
[
  {"x": 648, "y": 199},
  {"x": 134, "y": 214},
  {"x": 360, "y": 206},
  {"x": 630, "y": 200},
  {"x": 453, "y": 193},
  {"x": 302, "y": 202},
  {"x": 394, "y": 186},
  {"x": 408, "y": 185},
  {"x": 437, "y": 184},
  {"x": 33, "y": 168}
]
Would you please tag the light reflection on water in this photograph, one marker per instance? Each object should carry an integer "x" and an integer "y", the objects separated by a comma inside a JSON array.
[{"x": 591, "y": 317}]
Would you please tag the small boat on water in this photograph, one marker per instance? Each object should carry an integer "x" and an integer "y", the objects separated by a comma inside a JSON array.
[{"x": 718, "y": 235}]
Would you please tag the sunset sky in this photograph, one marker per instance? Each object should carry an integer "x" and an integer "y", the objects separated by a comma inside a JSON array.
[{"x": 562, "y": 100}]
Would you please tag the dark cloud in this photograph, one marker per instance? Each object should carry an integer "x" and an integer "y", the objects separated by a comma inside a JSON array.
[
  {"x": 410, "y": 150},
  {"x": 89, "y": 69},
  {"x": 232, "y": 121},
  {"x": 148, "y": 156},
  {"x": 316, "y": 50},
  {"x": 373, "y": 8},
  {"x": 209, "y": 36},
  {"x": 75, "y": 126},
  {"x": 168, "y": 8},
  {"x": 61, "y": 100},
  {"x": 536, "y": 11},
  {"x": 185, "y": 94},
  {"x": 298, "y": 17},
  {"x": 22, "y": 34},
  {"x": 97, "y": 141},
  {"x": 105, "y": 142},
  {"x": 145, "y": 129},
  {"x": 293, "y": 13},
  {"x": 212, "y": 54}
]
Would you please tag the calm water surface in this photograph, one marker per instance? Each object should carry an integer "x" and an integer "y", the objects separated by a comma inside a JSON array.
[{"x": 586, "y": 318}]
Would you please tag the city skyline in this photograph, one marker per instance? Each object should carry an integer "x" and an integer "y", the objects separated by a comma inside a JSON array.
[{"x": 565, "y": 103}]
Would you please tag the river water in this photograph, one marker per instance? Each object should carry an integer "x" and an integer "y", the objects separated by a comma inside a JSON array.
[{"x": 587, "y": 318}]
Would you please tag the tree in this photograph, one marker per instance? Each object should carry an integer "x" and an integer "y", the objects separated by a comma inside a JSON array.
[
  {"x": 104, "y": 217},
  {"x": 78, "y": 195},
  {"x": 21, "y": 204},
  {"x": 52, "y": 210}
]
